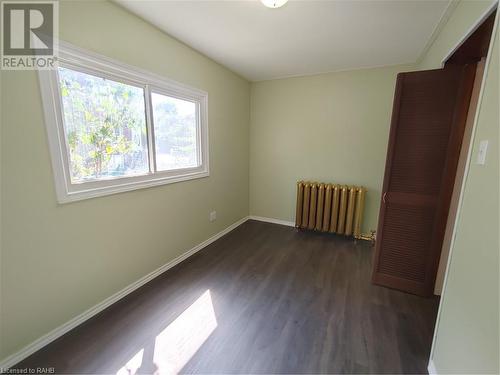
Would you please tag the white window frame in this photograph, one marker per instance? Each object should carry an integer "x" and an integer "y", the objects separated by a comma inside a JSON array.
[{"x": 88, "y": 62}]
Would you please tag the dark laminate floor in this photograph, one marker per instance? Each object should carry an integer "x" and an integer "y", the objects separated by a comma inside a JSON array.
[{"x": 283, "y": 302}]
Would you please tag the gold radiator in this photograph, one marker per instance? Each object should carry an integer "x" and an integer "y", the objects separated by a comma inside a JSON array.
[{"x": 330, "y": 208}]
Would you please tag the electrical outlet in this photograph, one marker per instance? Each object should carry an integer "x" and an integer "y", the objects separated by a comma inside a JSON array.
[{"x": 212, "y": 216}]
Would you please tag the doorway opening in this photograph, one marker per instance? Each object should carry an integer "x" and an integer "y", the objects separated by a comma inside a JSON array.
[{"x": 473, "y": 50}]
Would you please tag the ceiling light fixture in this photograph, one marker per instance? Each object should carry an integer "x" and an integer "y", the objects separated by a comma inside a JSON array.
[{"x": 273, "y": 3}]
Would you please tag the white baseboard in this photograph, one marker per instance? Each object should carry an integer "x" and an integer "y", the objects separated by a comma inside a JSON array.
[
  {"x": 272, "y": 220},
  {"x": 76, "y": 321},
  {"x": 431, "y": 369}
]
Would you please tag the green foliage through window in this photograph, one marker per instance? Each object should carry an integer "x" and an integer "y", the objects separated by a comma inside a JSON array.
[
  {"x": 175, "y": 132},
  {"x": 105, "y": 126},
  {"x": 106, "y": 131}
]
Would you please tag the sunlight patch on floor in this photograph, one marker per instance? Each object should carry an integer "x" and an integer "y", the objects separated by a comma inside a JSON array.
[
  {"x": 132, "y": 365},
  {"x": 177, "y": 343}
]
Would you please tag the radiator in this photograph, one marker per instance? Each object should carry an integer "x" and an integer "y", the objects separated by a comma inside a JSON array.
[{"x": 330, "y": 208}]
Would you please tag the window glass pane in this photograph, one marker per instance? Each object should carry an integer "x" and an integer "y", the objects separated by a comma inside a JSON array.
[
  {"x": 105, "y": 127},
  {"x": 175, "y": 132}
]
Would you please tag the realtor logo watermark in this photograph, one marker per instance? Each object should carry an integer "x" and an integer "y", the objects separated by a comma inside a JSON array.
[{"x": 29, "y": 35}]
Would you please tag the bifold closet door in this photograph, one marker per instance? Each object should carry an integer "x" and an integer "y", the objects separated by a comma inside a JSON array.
[{"x": 427, "y": 126}]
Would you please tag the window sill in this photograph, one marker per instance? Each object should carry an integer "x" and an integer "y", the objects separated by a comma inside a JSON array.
[{"x": 65, "y": 195}]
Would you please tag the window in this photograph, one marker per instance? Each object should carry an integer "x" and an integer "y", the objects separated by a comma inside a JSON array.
[
  {"x": 175, "y": 132},
  {"x": 114, "y": 128}
]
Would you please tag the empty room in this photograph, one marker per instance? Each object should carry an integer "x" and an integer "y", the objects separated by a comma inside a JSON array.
[{"x": 249, "y": 187}]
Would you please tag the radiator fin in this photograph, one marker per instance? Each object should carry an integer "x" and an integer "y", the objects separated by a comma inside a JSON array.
[
  {"x": 312, "y": 206},
  {"x": 320, "y": 206},
  {"x": 327, "y": 208},
  {"x": 305, "y": 205},
  {"x": 334, "y": 218},
  {"x": 342, "y": 210}
]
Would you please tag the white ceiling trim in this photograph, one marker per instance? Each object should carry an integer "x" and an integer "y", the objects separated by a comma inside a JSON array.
[
  {"x": 439, "y": 27},
  {"x": 408, "y": 64}
]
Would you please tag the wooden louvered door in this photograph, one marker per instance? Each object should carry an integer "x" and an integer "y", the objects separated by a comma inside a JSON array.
[{"x": 427, "y": 126}]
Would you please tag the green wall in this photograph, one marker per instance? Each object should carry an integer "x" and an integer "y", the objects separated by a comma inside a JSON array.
[
  {"x": 59, "y": 260},
  {"x": 327, "y": 127},
  {"x": 467, "y": 332}
]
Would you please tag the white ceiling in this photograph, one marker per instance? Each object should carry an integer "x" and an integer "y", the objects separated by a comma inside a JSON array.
[{"x": 303, "y": 37}]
